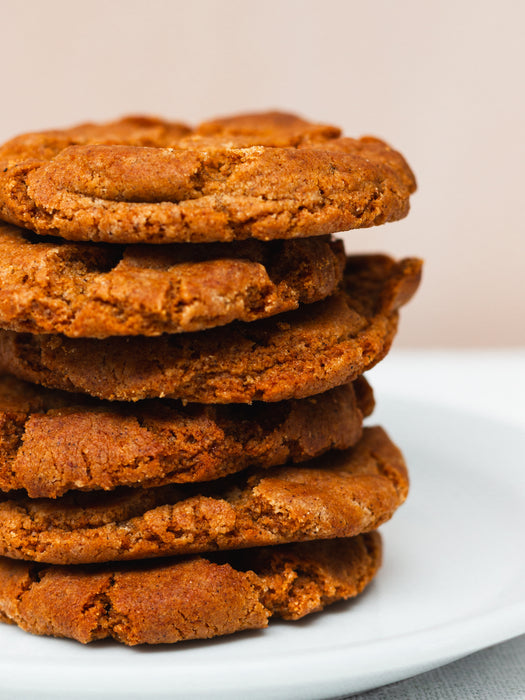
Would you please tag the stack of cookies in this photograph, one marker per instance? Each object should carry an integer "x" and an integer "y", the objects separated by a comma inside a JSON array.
[{"x": 182, "y": 349}]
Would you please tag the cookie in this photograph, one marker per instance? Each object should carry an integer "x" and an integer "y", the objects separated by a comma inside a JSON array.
[
  {"x": 339, "y": 494},
  {"x": 195, "y": 598},
  {"x": 259, "y": 176},
  {"x": 293, "y": 355},
  {"x": 52, "y": 441},
  {"x": 101, "y": 290}
]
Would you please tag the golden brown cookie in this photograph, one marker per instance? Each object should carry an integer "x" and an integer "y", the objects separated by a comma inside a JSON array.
[
  {"x": 263, "y": 176},
  {"x": 52, "y": 441},
  {"x": 194, "y": 598},
  {"x": 339, "y": 494},
  {"x": 294, "y": 355},
  {"x": 101, "y": 290}
]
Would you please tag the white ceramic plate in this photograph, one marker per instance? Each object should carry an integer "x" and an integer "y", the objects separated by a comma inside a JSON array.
[{"x": 451, "y": 583}]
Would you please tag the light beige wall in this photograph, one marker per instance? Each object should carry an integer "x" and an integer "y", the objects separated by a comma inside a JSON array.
[{"x": 443, "y": 82}]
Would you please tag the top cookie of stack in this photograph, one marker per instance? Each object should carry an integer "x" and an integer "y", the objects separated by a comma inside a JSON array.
[{"x": 141, "y": 180}]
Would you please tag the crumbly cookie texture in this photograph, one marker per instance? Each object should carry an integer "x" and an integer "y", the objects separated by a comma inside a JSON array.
[
  {"x": 196, "y": 598},
  {"x": 269, "y": 175},
  {"x": 52, "y": 441},
  {"x": 101, "y": 290},
  {"x": 293, "y": 355},
  {"x": 339, "y": 494}
]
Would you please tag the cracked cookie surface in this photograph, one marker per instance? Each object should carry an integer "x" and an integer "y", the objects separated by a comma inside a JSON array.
[
  {"x": 339, "y": 494},
  {"x": 101, "y": 290},
  {"x": 195, "y": 598},
  {"x": 293, "y": 355},
  {"x": 268, "y": 175},
  {"x": 52, "y": 441}
]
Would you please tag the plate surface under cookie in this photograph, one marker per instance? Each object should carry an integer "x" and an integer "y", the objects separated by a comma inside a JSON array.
[{"x": 451, "y": 583}]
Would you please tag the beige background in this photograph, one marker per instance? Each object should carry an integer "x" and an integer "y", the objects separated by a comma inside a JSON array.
[{"x": 443, "y": 82}]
